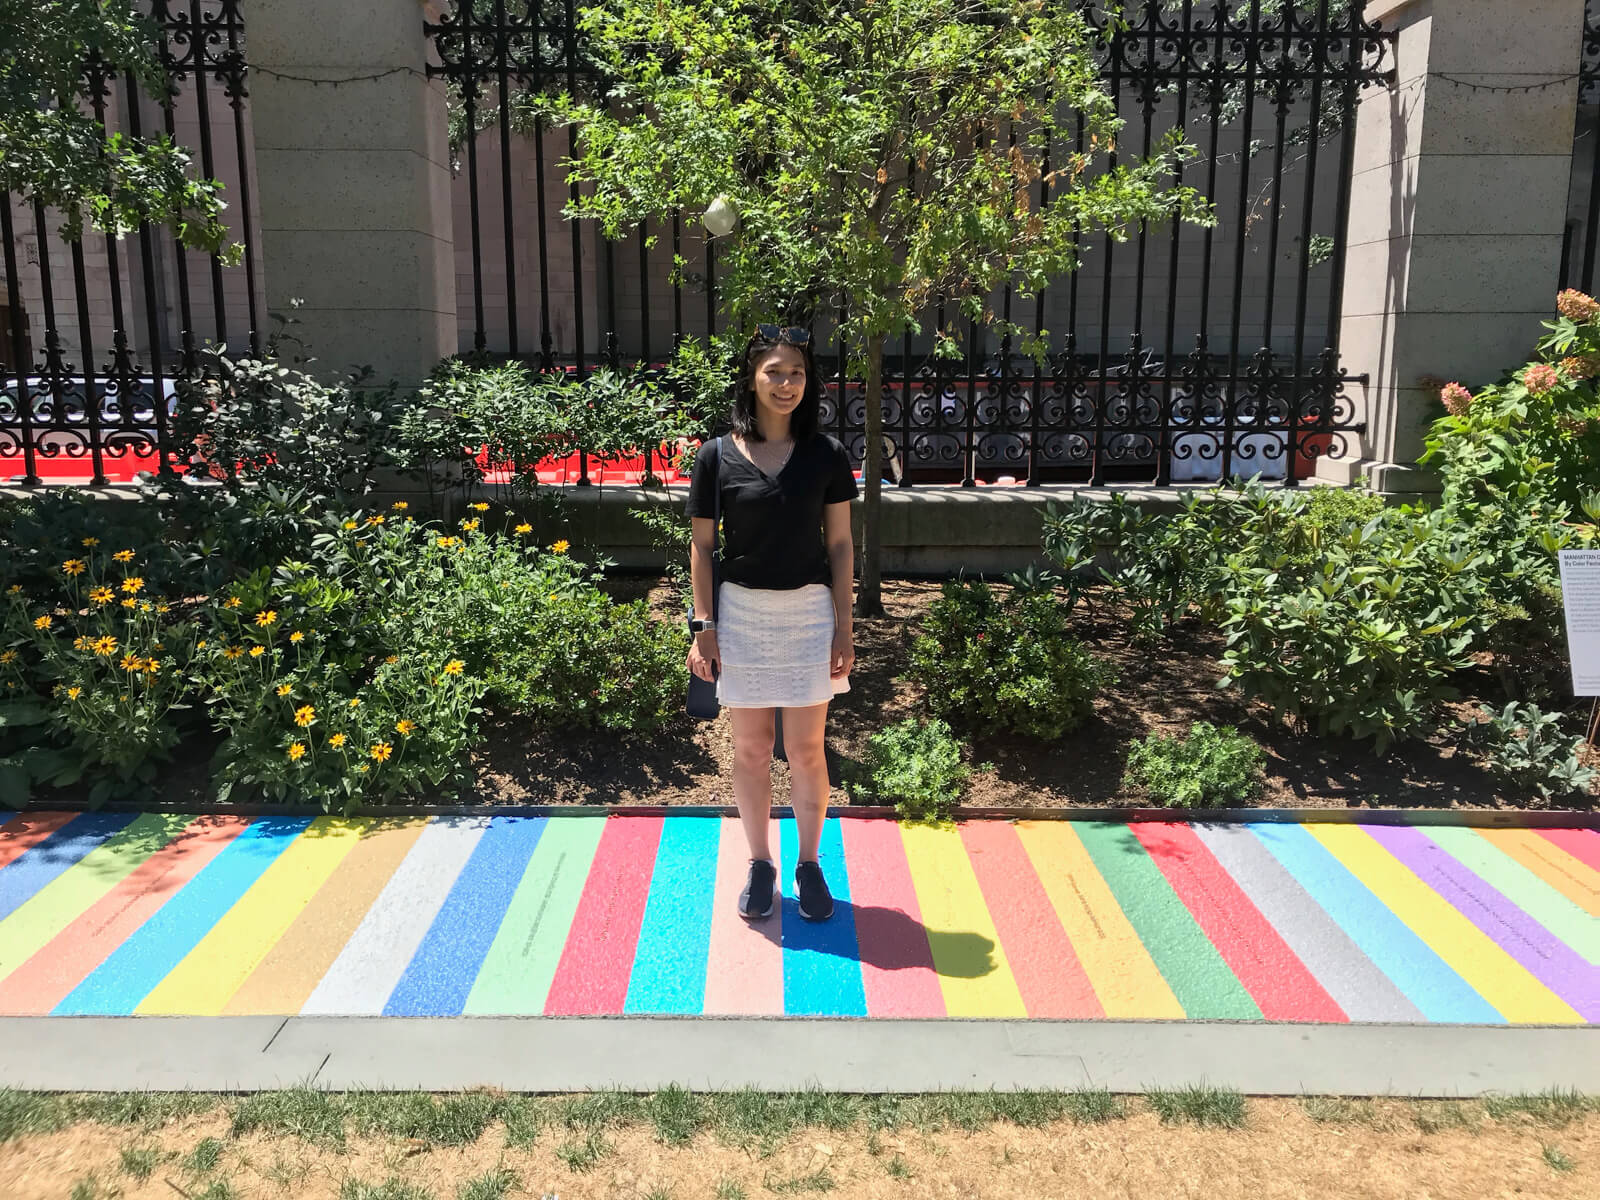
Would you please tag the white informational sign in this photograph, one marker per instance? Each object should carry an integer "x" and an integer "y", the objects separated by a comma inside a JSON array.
[{"x": 1580, "y": 594}]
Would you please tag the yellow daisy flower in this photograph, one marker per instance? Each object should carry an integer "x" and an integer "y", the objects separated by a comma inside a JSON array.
[
  {"x": 381, "y": 751},
  {"x": 297, "y": 751},
  {"x": 284, "y": 689},
  {"x": 14, "y": 590},
  {"x": 480, "y": 506},
  {"x": 41, "y": 623},
  {"x": 393, "y": 658},
  {"x": 131, "y": 662},
  {"x": 378, "y": 520},
  {"x": 469, "y": 526},
  {"x": 73, "y": 566},
  {"x": 297, "y": 636},
  {"x": 454, "y": 667},
  {"x": 400, "y": 506},
  {"x": 233, "y": 652},
  {"x": 337, "y": 741},
  {"x": 266, "y": 617},
  {"x": 133, "y": 584},
  {"x": 524, "y": 528},
  {"x": 74, "y": 692},
  {"x": 123, "y": 556},
  {"x": 305, "y": 716},
  {"x": 129, "y": 602},
  {"x": 10, "y": 656},
  {"x": 561, "y": 547},
  {"x": 80, "y": 642},
  {"x": 257, "y": 651},
  {"x": 405, "y": 727},
  {"x": 91, "y": 541},
  {"x": 102, "y": 595},
  {"x": 349, "y": 524},
  {"x": 355, "y": 702},
  {"x": 105, "y": 647},
  {"x": 232, "y": 602}
]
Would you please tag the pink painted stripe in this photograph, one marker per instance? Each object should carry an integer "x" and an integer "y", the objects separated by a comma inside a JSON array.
[
  {"x": 26, "y": 830},
  {"x": 897, "y": 970},
  {"x": 1255, "y": 952},
  {"x": 597, "y": 962},
  {"x": 1582, "y": 844},
  {"x": 744, "y": 969},
  {"x": 42, "y": 982},
  {"x": 1052, "y": 981}
]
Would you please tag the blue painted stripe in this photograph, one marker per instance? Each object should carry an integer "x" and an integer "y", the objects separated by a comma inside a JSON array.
[
  {"x": 669, "y": 962},
  {"x": 117, "y": 986},
  {"x": 38, "y": 865},
  {"x": 821, "y": 960},
  {"x": 1425, "y": 979},
  {"x": 440, "y": 975}
]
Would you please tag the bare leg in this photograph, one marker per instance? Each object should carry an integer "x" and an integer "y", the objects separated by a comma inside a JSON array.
[
  {"x": 752, "y": 775},
  {"x": 803, "y": 730}
]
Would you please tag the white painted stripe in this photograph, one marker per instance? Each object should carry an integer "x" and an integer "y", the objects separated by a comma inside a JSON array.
[
  {"x": 368, "y": 968},
  {"x": 1350, "y": 977}
]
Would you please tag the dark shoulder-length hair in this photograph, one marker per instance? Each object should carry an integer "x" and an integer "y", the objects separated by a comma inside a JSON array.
[{"x": 804, "y": 421}]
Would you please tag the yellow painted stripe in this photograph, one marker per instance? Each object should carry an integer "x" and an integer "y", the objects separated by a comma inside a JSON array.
[
  {"x": 1574, "y": 879},
  {"x": 209, "y": 974},
  {"x": 1121, "y": 970},
  {"x": 972, "y": 966},
  {"x": 1471, "y": 953}
]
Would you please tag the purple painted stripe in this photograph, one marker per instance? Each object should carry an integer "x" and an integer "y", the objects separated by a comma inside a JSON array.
[{"x": 1549, "y": 960}]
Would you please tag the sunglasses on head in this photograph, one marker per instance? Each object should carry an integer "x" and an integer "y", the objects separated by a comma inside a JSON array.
[{"x": 793, "y": 335}]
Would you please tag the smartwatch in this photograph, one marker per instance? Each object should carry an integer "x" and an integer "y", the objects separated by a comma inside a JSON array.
[{"x": 700, "y": 624}]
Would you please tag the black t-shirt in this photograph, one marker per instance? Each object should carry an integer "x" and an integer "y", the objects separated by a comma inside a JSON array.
[{"x": 772, "y": 528}]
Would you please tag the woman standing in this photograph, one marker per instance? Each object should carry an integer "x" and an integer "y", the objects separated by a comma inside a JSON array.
[{"x": 783, "y": 636}]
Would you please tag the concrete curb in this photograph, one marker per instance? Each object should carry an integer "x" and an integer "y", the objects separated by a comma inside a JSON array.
[{"x": 551, "y": 1054}]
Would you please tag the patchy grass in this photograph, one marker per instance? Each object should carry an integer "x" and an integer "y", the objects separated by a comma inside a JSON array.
[
  {"x": 582, "y": 1155},
  {"x": 140, "y": 1161},
  {"x": 1555, "y": 1158},
  {"x": 731, "y": 1189},
  {"x": 389, "y": 1189},
  {"x": 1332, "y": 1110},
  {"x": 1441, "y": 1116},
  {"x": 1556, "y": 1108},
  {"x": 896, "y": 1168},
  {"x": 678, "y": 1115},
  {"x": 203, "y": 1159},
  {"x": 1208, "y": 1107},
  {"x": 303, "y": 1113},
  {"x": 491, "y": 1185},
  {"x": 816, "y": 1181}
]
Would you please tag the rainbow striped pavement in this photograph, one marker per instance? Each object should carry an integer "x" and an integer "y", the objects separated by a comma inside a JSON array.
[{"x": 160, "y": 913}]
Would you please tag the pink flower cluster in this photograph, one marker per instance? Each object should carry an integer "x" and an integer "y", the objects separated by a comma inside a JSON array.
[
  {"x": 1581, "y": 366},
  {"x": 1456, "y": 398},
  {"x": 1540, "y": 378},
  {"x": 1577, "y": 306}
]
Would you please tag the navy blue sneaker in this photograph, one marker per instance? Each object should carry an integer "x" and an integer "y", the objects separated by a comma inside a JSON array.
[
  {"x": 756, "y": 899},
  {"x": 816, "y": 901}
]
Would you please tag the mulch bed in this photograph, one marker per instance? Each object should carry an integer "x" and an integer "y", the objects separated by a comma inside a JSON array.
[{"x": 1163, "y": 689}]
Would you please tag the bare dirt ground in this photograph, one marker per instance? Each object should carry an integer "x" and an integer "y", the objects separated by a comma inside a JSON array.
[
  {"x": 1162, "y": 690},
  {"x": 1396, "y": 1149}
]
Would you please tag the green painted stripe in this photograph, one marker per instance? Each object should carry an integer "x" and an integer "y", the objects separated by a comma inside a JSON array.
[
  {"x": 1186, "y": 958},
  {"x": 1523, "y": 888},
  {"x": 69, "y": 895},
  {"x": 516, "y": 973}
]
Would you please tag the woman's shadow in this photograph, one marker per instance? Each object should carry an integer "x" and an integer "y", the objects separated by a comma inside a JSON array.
[{"x": 885, "y": 938}]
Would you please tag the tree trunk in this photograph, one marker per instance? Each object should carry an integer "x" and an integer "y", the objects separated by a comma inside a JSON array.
[{"x": 869, "y": 599}]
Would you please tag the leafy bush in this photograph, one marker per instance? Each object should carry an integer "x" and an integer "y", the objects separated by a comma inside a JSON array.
[
  {"x": 991, "y": 667},
  {"x": 1211, "y": 766},
  {"x": 1524, "y": 746},
  {"x": 915, "y": 766}
]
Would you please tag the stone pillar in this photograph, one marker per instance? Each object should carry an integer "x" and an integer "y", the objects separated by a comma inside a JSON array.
[
  {"x": 1458, "y": 203},
  {"x": 354, "y": 182}
]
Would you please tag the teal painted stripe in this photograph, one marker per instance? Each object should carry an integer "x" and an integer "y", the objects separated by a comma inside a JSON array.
[
  {"x": 669, "y": 963},
  {"x": 821, "y": 960},
  {"x": 1186, "y": 958},
  {"x": 1564, "y": 919}
]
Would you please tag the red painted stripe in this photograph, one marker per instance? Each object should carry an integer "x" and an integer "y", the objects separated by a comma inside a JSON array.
[
  {"x": 897, "y": 969},
  {"x": 592, "y": 976},
  {"x": 1052, "y": 980},
  {"x": 26, "y": 830},
  {"x": 1271, "y": 972},
  {"x": 1582, "y": 844},
  {"x": 42, "y": 982}
]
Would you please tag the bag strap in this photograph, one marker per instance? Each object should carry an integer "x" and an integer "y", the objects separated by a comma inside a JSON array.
[{"x": 716, "y": 526}]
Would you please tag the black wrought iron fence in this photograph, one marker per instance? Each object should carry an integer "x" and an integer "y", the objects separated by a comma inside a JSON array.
[
  {"x": 94, "y": 331},
  {"x": 1189, "y": 354}
]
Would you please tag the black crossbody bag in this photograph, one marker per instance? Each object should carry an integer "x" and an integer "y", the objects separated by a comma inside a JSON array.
[{"x": 702, "y": 701}]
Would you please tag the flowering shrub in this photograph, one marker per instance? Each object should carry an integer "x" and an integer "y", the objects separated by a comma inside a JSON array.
[
  {"x": 914, "y": 765},
  {"x": 357, "y": 674},
  {"x": 1210, "y": 766},
  {"x": 992, "y": 667}
]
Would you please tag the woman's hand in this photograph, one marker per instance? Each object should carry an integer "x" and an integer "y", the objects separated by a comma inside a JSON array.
[
  {"x": 704, "y": 655},
  {"x": 844, "y": 652}
]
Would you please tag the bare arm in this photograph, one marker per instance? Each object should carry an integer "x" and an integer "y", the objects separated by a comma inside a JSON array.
[{"x": 842, "y": 558}]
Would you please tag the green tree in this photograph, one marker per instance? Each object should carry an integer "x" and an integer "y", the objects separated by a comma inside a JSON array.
[
  {"x": 882, "y": 154},
  {"x": 54, "y": 150}
]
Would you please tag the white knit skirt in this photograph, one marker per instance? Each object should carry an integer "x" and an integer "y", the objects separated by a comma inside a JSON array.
[{"x": 776, "y": 646}]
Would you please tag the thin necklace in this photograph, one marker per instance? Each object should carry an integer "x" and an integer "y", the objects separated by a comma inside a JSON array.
[{"x": 777, "y": 468}]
